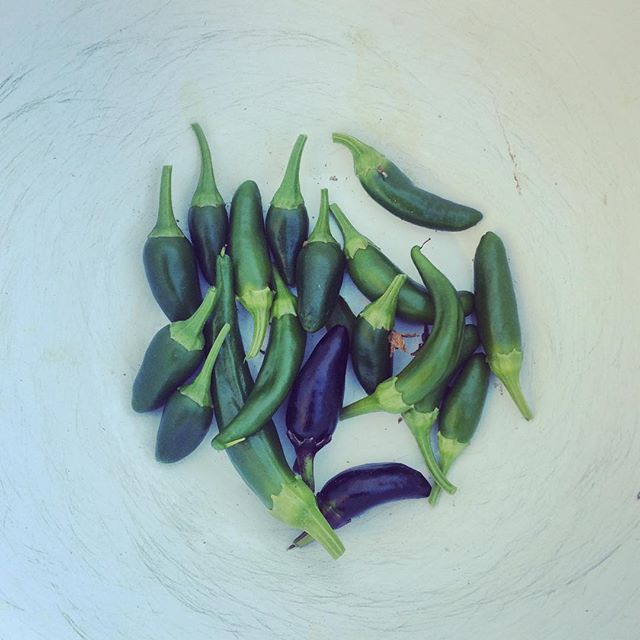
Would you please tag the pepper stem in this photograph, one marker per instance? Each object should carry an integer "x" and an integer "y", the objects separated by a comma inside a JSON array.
[
  {"x": 166, "y": 225},
  {"x": 507, "y": 366},
  {"x": 353, "y": 239},
  {"x": 206, "y": 193},
  {"x": 385, "y": 398},
  {"x": 420, "y": 425},
  {"x": 258, "y": 303},
  {"x": 188, "y": 332},
  {"x": 381, "y": 313},
  {"x": 200, "y": 389},
  {"x": 365, "y": 158},
  {"x": 296, "y": 506},
  {"x": 284, "y": 303},
  {"x": 449, "y": 451},
  {"x": 288, "y": 195},
  {"x": 322, "y": 231},
  {"x": 305, "y": 465}
]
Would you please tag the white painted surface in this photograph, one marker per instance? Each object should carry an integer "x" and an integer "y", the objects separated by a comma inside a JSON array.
[{"x": 526, "y": 110}]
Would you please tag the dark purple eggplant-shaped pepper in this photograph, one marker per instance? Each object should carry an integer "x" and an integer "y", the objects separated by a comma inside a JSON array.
[
  {"x": 316, "y": 399},
  {"x": 358, "y": 489}
]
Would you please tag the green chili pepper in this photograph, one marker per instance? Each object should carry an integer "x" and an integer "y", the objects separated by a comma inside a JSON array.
[
  {"x": 169, "y": 261},
  {"x": 171, "y": 357},
  {"x": 435, "y": 359},
  {"x": 319, "y": 272},
  {"x": 461, "y": 411},
  {"x": 392, "y": 189},
  {"x": 343, "y": 316},
  {"x": 277, "y": 373},
  {"x": 423, "y": 415},
  {"x": 208, "y": 223},
  {"x": 251, "y": 266},
  {"x": 372, "y": 272},
  {"x": 497, "y": 314},
  {"x": 187, "y": 415},
  {"x": 287, "y": 219},
  {"x": 259, "y": 459},
  {"x": 370, "y": 348}
]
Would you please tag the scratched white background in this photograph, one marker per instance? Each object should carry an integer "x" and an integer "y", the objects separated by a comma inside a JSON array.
[{"x": 527, "y": 110}]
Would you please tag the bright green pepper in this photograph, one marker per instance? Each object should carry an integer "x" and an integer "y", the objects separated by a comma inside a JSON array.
[
  {"x": 497, "y": 313},
  {"x": 251, "y": 266}
]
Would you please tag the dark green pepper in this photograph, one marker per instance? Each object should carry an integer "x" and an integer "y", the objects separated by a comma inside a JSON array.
[
  {"x": 497, "y": 313},
  {"x": 372, "y": 271},
  {"x": 423, "y": 415},
  {"x": 259, "y": 459},
  {"x": 208, "y": 222},
  {"x": 343, "y": 316},
  {"x": 188, "y": 413},
  {"x": 251, "y": 266},
  {"x": 171, "y": 357},
  {"x": 461, "y": 411},
  {"x": 434, "y": 361},
  {"x": 282, "y": 360},
  {"x": 392, "y": 189},
  {"x": 370, "y": 348},
  {"x": 319, "y": 273},
  {"x": 287, "y": 219},
  {"x": 169, "y": 261}
]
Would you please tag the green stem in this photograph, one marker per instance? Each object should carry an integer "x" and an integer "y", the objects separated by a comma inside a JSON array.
[
  {"x": 512, "y": 384},
  {"x": 305, "y": 462},
  {"x": 166, "y": 225},
  {"x": 188, "y": 332},
  {"x": 206, "y": 194},
  {"x": 288, "y": 195},
  {"x": 322, "y": 231},
  {"x": 449, "y": 451},
  {"x": 353, "y": 239},
  {"x": 365, "y": 158},
  {"x": 385, "y": 398},
  {"x": 200, "y": 389},
  {"x": 420, "y": 425},
  {"x": 284, "y": 303},
  {"x": 381, "y": 313},
  {"x": 258, "y": 303}
]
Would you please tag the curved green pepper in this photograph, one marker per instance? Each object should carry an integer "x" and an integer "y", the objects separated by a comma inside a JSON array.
[
  {"x": 435, "y": 359},
  {"x": 461, "y": 412},
  {"x": 169, "y": 261},
  {"x": 342, "y": 315},
  {"x": 320, "y": 271},
  {"x": 171, "y": 357},
  {"x": 391, "y": 188},
  {"x": 497, "y": 313},
  {"x": 208, "y": 222},
  {"x": 370, "y": 349},
  {"x": 287, "y": 219},
  {"x": 251, "y": 266},
  {"x": 188, "y": 413},
  {"x": 282, "y": 360},
  {"x": 423, "y": 415},
  {"x": 372, "y": 272},
  {"x": 259, "y": 459}
]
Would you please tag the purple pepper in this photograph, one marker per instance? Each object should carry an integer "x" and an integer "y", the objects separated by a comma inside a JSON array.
[
  {"x": 316, "y": 399},
  {"x": 358, "y": 489}
]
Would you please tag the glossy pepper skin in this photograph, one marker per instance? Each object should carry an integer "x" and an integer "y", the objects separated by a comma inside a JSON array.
[
  {"x": 188, "y": 413},
  {"x": 319, "y": 272},
  {"x": 287, "y": 218},
  {"x": 342, "y": 315},
  {"x": 316, "y": 398},
  {"x": 391, "y": 188},
  {"x": 461, "y": 412},
  {"x": 372, "y": 272},
  {"x": 171, "y": 357},
  {"x": 259, "y": 459},
  {"x": 434, "y": 361},
  {"x": 208, "y": 222},
  {"x": 250, "y": 258},
  {"x": 281, "y": 363},
  {"x": 423, "y": 415},
  {"x": 356, "y": 490},
  {"x": 497, "y": 314},
  {"x": 370, "y": 348},
  {"x": 170, "y": 262}
]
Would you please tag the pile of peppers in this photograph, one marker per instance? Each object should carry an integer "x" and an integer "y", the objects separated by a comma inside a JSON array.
[{"x": 195, "y": 368}]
